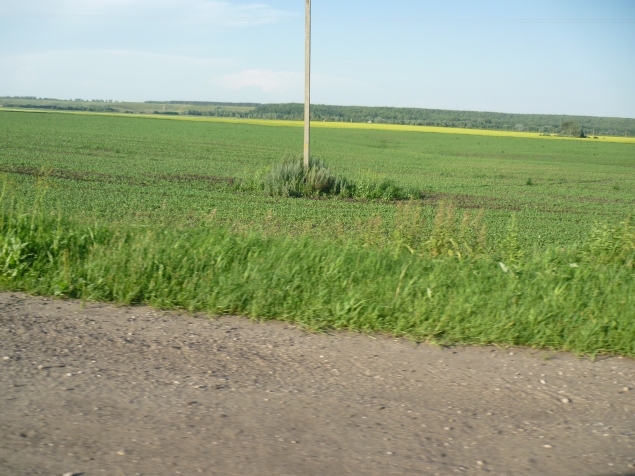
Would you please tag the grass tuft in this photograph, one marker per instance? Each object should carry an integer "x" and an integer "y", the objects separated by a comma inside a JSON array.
[{"x": 289, "y": 178}]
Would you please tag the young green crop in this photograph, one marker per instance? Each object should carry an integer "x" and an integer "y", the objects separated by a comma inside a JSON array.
[
  {"x": 177, "y": 110},
  {"x": 143, "y": 171}
]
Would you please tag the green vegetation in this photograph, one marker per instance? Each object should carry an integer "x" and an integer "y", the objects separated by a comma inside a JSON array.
[
  {"x": 157, "y": 211},
  {"x": 290, "y": 178},
  {"x": 149, "y": 107},
  {"x": 579, "y": 299},
  {"x": 572, "y": 129},
  {"x": 148, "y": 171},
  {"x": 208, "y": 103},
  {"x": 545, "y": 123}
]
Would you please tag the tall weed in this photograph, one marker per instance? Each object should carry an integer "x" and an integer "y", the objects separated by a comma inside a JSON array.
[
  {"x": 453, "y": 237},
  {"x": 611, "y": 244}
]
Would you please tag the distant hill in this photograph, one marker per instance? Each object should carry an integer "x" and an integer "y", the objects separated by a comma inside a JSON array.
[{"x": 545, "y": 123}]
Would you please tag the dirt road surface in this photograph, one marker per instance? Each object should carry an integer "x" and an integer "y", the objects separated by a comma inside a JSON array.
[{"x": 95, "y": 389}]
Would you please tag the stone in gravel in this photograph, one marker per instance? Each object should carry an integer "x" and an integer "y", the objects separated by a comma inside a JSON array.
[
  {"x": 547, "y": 446},
  {"x": 480, "y": 463},
  {"x": 6, "y": 357},
  {"x": 565, "y": 400},
  {"x": 543, "y": 382},
  {"x": 121, "y": 452},
  {"x": 626, "y": 389}
]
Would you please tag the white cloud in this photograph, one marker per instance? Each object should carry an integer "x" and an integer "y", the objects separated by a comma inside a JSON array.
[
  {"x": 289, "y": 85},
  {"x": 141, "y": 76},
  {"x": 263, "y": 79}
]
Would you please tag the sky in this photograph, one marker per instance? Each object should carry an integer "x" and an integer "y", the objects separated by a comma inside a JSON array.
[{"x": 539, "y": 56}]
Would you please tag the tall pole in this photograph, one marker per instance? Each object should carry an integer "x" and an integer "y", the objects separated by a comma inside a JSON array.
[{"x": 307, "y": 85}]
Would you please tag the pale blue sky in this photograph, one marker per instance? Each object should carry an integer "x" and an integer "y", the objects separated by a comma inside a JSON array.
[{"x": 557, "y": 56}]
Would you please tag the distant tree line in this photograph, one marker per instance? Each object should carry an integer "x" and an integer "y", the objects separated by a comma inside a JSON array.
[
  {"x": 61, "y": 107},
  {"x": 54, "y": 99},
  {"x": 218, "y": 113},
  {"x": 571, "y": 126},
  {"x": 572, "y": 129},
  {"x": 206, "y": 103},
  {"x": 543, "y": 123}
]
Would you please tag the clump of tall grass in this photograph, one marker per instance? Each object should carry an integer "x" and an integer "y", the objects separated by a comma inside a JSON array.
[
  {"x": 290, "y": 178},
  {"x": 580, "y": 298},
  {"x": 608, "y": 244},
  {"x": 447, "y": 235}
]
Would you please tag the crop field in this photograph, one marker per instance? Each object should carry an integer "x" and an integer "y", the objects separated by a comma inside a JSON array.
[
  {"x": 149, "y": 211},
  {"x": 145, "y": 108},
  {"x": 131, "y": 169}
]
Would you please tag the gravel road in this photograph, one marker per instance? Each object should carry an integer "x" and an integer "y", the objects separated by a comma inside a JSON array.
[{"x": 96, "y": 389}]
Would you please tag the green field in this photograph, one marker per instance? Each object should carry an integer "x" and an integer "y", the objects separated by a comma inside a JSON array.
[
  {"x": 175, "y": 172},
  {"x": 476, "y": 121},
  {"x": 148, "y": 211}
]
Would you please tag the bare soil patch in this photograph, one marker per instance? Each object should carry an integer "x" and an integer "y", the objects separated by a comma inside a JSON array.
[{"x": 95, "y": 389}]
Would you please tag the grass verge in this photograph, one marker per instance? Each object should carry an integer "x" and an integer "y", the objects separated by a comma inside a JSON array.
[{"x": 579, "y": 299}]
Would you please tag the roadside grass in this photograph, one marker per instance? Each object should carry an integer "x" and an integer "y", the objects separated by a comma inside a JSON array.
[
  {"x": 151, "y": 212},
  {"x": 442, "y": 286}
]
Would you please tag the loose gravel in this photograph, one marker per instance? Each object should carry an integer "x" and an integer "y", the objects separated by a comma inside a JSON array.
[{"x": 95, "y": 389}]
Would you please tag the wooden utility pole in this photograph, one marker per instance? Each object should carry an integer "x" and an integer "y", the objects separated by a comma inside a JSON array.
[{"x": 307, "y": 85}]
